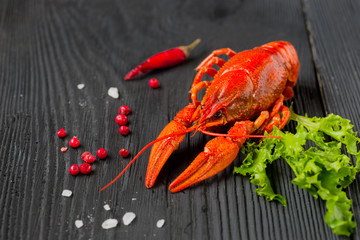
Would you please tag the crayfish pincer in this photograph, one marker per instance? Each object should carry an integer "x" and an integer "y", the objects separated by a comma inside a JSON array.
[{"x": 246, "y": 96}]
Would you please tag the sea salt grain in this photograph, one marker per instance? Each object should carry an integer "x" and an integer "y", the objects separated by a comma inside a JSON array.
[
  {"x": 109, "y": 223},
  {"x": 128, "y": 218},
  {"x": 160, "y": 223},
  {"x": 113, "y": 92},
  {"x": 80, "y": 86},
  {"x": 107, "y": 207},
  {"x": 79, "y": 223},
  {"x": 91, "y": 218},
  {"x": 66, "y": 193}
]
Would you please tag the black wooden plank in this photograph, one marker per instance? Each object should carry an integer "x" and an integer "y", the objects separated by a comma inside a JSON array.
[
  {"x": 48, "y": 47},
  {"x": 334, "y": 33}
]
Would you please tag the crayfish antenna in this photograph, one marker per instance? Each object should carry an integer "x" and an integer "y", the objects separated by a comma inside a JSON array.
[
  {"x": 236, "y": 136},
  {"x": 142, "y": 150},
  {"x": 180, "y": 133}
]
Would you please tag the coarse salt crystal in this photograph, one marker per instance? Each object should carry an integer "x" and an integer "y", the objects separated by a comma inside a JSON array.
[
  {"x": 109, "y": 223},
  {"x": 128, "y": 218},
  {"x": 113, "y": 92},
  {"x": 66, "y": 193},
  {"x": 80, "y": 86},
  {"x": 107, "y": 207},
  {"x": 160, "y": 223},
  {"x": 91, "y": 218},
  {"x": 82, "y": 103},
  {"x": 79, "y": 223}
]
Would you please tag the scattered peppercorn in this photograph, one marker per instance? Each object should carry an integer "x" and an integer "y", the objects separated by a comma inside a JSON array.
[
  {"x": 124, "y": 130},
  {"x": 89, "y": 158},
  {"x": 124, "y": 110},
  {"x": 85, "y": 168},
  {"x": 74, "y": 169},
  {"x": 101, "y": 153},
  {"x": 121, "y": 119},
  {"x": 63, "y": 149},
  {"x": 61, "y": 133},
  {"x": 84, "y": 155},
  {"x": 74, "y": 142},
  {"x": 154, "y": 83},
  {"x": 124, "y": 152}
]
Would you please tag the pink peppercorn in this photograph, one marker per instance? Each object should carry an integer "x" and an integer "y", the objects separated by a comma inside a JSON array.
[
  {"x": 84, "y": 155},
  {"x": 61, "y": 133},
  {"x": 124, "y": 130},
  {"x": 74, "y": 169},
  {"x": 85, "y": 168},
  {"x": 89, "y": 158},
  {"x": 124, "y": 110},
  {"x": 121, "y": 119},
  {"x": 124, "y": 152},
  {"x": 74, "y": 142},
  {"x": 154, "y": 83},
  {"x": 101, "y": 153},
  {"x": 63, "y": 149}
]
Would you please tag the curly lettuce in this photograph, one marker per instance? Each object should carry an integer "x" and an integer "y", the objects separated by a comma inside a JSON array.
[{"x": 324, "y": 171}]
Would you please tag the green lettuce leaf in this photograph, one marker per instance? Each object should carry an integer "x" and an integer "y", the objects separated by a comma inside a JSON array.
[
  {"x": 255, "y": 165},
  {"x": 324, "y": 171}
]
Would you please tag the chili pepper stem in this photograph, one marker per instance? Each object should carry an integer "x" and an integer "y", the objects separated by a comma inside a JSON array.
[{"x": 187, "y": 49}]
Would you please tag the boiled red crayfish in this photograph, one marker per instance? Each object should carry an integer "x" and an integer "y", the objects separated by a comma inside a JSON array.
[{"x": 245, "y": 95}]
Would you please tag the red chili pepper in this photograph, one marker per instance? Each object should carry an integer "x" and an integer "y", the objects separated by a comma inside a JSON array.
[{"x": 163, "y": 59}]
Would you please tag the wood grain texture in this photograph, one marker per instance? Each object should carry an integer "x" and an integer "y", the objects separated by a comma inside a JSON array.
[
  {"x": 334, "y": 29},
  {"x": 48, "y": 47}
]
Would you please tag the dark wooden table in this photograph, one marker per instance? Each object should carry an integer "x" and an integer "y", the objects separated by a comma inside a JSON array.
[{"x": 48, "y": 47}]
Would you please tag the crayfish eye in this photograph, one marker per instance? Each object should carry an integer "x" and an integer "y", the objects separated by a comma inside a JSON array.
[
  {"x": 217, "y": 115},
  {"x": 202, "y": 106}
]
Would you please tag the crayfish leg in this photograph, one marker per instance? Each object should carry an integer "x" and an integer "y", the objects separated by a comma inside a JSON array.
[
  {"x": 279, "y": 116},
  {"x": 205, "y": 67},
  {"x": 215, "y": 53},
  {"x": 277, "y": 120}
]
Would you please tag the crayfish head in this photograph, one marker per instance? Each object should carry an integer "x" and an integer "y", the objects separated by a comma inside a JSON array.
[
  {"x": 219, "y": 118},
  {"x": 203, "y": 120},
  {"x": 228, "y": 99}
]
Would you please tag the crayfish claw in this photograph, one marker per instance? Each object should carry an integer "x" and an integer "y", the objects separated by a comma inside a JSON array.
[
  {"x": 161, "y": 151},
  {"x": 218, "y": 154},
  {"x": 173, "y": 134}
]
